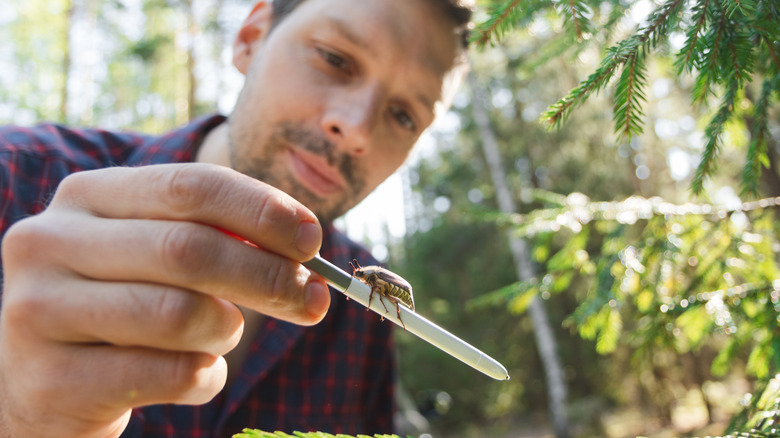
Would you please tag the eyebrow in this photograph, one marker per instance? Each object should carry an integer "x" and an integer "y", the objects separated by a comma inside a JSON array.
[{"x": 341, "y": 26}]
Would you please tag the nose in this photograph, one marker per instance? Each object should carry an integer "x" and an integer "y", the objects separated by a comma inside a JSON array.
[{"x": 351, "y": 117}]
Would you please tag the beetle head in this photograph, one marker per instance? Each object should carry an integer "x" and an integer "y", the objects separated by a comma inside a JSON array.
[{"x": 357, "y": 270}]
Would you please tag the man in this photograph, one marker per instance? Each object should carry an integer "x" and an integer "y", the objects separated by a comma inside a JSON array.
[{"x": 125, "y": 299}]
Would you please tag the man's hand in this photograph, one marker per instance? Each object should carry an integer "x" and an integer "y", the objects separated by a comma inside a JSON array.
[{"x": 123, "y": 292}]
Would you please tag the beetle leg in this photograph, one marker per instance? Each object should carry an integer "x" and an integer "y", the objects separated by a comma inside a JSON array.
[
  {"x": 370, "y": 297},
  {"x": 398, "y": 309},
  {"x": 384, "y": 305}
]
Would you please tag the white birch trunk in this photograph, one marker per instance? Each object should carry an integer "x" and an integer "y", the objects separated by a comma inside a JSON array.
[{"x": 545, "y": 340}]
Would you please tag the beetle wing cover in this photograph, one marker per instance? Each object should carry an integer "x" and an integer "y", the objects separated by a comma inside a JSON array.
[{"x": 391, "y": 277}]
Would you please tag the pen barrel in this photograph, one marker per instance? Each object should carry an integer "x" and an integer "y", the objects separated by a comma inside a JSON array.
[
  {"x": 412, "y": 322},
  {"x": 427, "y": 330}
]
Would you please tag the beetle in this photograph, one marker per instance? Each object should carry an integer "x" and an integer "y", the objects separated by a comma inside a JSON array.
[{"x": 386, "y": 283}]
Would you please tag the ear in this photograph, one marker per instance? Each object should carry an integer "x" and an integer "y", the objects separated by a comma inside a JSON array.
[{"x": 251, "y": 34}]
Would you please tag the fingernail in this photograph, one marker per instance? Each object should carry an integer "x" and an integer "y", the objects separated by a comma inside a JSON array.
[
  {"x": 317, "y": 299},
  {"x": 309, "y": 238}
]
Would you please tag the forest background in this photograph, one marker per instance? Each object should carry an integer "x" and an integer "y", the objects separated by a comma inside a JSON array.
[{"x": 597, "y": 211}]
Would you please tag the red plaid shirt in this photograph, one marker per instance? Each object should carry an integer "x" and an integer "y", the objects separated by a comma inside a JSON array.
[{"x": 336, "y": 376}]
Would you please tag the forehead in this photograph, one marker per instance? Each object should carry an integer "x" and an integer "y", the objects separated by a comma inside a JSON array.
[{"x": 406, "y": 31}]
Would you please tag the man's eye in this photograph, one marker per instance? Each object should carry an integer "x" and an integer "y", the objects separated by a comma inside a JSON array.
[
  {"x": 333, "y": 59},
  {"x": 403, "y": 118}
]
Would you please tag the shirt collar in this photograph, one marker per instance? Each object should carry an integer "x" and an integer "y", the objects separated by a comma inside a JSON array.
[{"x": 179, "y": 145}]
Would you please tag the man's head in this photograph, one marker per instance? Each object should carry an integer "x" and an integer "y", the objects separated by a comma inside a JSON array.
[{"x": 338, "y": 91}]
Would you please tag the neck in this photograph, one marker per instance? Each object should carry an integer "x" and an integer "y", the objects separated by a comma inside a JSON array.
[{"x": 214, "y": 148}]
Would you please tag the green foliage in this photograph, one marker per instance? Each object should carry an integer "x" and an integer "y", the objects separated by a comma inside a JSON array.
[
  {"x": 32, "y": 84},
  {"x": 757, "y": 150},
  {"x": 255, "y": 433},
  {"x": 629, "y": 95},
  {"x": 761, "y": 415},
  {"x": 501, "y": 19},
  {"x": 446, "y": 274},
  {"x": 713, "y": 134},
  {"x": 148, "y": 50},
  {"x": 701, "y": 273},
  {"x": 729, "y": 45},
  {"x": 628, "y": 54}
]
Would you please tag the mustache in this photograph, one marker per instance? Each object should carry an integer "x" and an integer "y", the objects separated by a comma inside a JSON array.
[{"x": 321, "y": 146}]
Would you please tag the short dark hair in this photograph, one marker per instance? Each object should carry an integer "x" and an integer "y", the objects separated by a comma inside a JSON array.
[{"x": 459, "y": 11}]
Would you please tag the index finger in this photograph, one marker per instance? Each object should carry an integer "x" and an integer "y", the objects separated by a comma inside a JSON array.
[{"x": 196, "y": 192}]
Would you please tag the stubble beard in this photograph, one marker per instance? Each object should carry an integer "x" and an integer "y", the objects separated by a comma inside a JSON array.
[{"x": 264, "y": 163}]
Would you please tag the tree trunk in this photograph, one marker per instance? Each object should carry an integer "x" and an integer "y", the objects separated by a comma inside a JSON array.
[
  {"x": 545, "y": 340},
  {"x": 63, "y": 116},
  {"x": 192, "y": 84}
]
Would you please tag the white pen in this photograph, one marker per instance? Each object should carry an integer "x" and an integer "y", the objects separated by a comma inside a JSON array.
[{"x": 413, "y": 322}]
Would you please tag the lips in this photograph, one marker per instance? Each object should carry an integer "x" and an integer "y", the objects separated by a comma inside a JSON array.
[{"x": 314, "y": 173}]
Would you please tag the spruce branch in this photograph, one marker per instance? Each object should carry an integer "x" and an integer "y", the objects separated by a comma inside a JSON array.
[
  {"x": 766, "y": 32},
  {"x": 709, "y": 71},
  {"x": 576, "y": 17},
  {"x": 773, "y": 55},
  {"x": 757, "y": 149},
  {"x": 727, "y": 44},
  {"x": 713, "y": 134},
  {"x": 559, "y": 111},
  {"x": 499, "y": 22},
  {"x": 688, "y": 56},
  {"x": 743, "y": 7},
  {"x": 629, "y": 96},
  {"x": 740, "y": 54},
  {"x": 576, "y": 11},
  {"x": 660, "y": 21}
]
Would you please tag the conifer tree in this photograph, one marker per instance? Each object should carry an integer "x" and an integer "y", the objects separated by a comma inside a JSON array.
[{"x": 730, "y": 47}]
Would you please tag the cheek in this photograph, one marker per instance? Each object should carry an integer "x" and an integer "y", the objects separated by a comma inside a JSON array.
[
  {"x": 385, "y": 159},
  {"x": 281, "y": 89}
]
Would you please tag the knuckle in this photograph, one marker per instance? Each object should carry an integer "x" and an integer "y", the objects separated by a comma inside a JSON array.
[
  {"x": 21, "y": 239},
  {"x": 275, "y": 211},
  {"x": 177, "y": 311},
  {"x": 278, "y": 278},
  {"x": 185, "y": 188},
  {"x": 267, "y": 211},
  {"x": 73, "y": 186},
  {"x": 184, "y": 248},
  {"x": 196, "y": 377},
  {"x": 183, "y": 373},
  {"x": 220, "y": 328},
  {"x": 23, "y": 307}
]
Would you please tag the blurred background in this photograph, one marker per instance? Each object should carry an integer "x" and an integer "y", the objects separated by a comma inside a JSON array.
[{"x": 627, "y": 289}]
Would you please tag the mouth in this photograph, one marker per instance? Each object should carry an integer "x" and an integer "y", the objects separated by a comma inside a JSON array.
[{"x": 313, "y": 172}]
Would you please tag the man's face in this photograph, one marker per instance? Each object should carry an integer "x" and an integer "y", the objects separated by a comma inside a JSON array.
[{"x": 336, "y": 96}]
